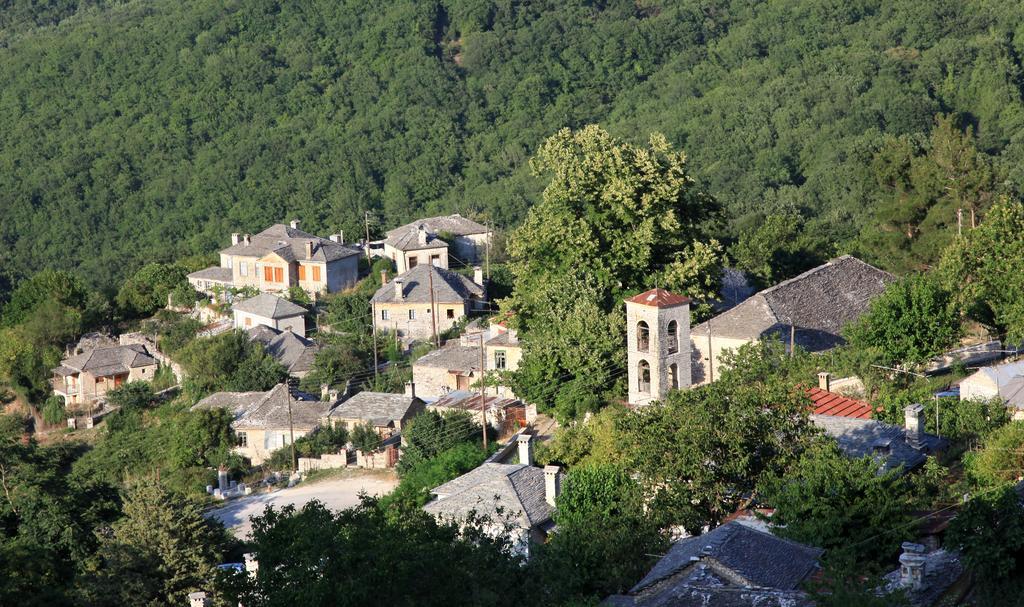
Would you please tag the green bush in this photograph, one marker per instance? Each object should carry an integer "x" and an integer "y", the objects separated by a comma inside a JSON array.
[{"x": 53, "y": 410}]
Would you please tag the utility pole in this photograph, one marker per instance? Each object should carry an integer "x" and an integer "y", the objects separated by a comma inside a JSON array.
[
  {"x": 433, "y": 310},
  {"x": 366, "y": 216},
  {"x": 373, "y": 323},
  {"x": 483, "y": 409},
  {"x": 291, "y": 427},
  {"x": 711, "y": 356},
  {"x": 959, "y": 222},
  {"x": 938, "y": 428},
  {"x": 487, "y": 251},
  {"x": 792, "y": 339}
]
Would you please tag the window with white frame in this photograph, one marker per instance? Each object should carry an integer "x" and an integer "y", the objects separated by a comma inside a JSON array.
[
  {"x": 412, "y": 314},
  {"x": 385, "y": 315}
]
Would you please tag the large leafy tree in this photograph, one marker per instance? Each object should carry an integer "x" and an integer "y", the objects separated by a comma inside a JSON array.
[
  {"x": 913, "y": 320},
  {"x": 431, "y": 433},
  {"x": 229, "y": 361},
  {"x": 985, "y": 269},
  {"x": 147, "y": 290}
]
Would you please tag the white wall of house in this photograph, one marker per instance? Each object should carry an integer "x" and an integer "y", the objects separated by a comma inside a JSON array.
[
  {"x": 412, "y": 320},
  {"x": 700, "y": 355}
]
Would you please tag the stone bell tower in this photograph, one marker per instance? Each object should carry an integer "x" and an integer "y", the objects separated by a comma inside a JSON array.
[{"x": 658, "y": 344}]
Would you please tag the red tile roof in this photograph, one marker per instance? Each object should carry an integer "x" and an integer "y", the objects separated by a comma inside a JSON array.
[
  {"x": 830, "y": 403},
  {"x": 659, "y": 298}
]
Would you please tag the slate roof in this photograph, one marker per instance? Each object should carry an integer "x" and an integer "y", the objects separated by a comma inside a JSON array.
[
  {"x": 290, "y": 244},
  {"x": 504, "y": 339},
  {"x": 269, "y": 306},
  {"x": 378, "y": 408},
  {"x": 268, "y": 410},
  {"x": 215, "y": 273},
  {"x": 685, "y": 595},
  {"x": 295, "y": 353},
  {"x": 455, "y": 224},
  {"x": 449, "y": 287},
  {"x": 515, "y": 489},
  {"x": 408, "y": 239},
  {"x": 453, "y": 356},
  {"x": 470, "y": 401},
  {"x": 830, "y": 403},
  {"x": 819, "y": 303},
  {"x": 860, "y": 437},
  {"x": 942, "y": 569},
  {"x": 114, "y": 360},
  {"x": 658, "y": 298},
  {"x": 764, "y": 560}
]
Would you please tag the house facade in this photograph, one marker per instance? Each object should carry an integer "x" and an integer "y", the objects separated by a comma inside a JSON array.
[
  {"x": 412, "y": 246},
  {"x": 405, "y": 306},
  {"x": 281, "y": 257},
  {"x": 87, "y": 376},
  {"x": 456, "y": 365},
  {"x": 467, "y": 242},
  {"x": 270, "y": 311},
  {"x": 387, "y": 413}
]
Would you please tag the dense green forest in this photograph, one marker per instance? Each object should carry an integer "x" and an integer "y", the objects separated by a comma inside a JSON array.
[{"x": 141, "y": 130}]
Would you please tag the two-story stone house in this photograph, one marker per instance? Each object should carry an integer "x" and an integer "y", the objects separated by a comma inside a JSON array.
[
  {"x": 88, "y": 375},
  {"x": 406, "y": 307},
  {"x": 423, "y": 242},
  {"x": 281, "y": 257}
]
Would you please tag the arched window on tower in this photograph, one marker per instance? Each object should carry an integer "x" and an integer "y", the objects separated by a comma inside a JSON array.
[
  {"x": 643, "y": 336},
  {"x": 673, "y": 337},
  {"x": 644, "y": 377},
  {"x": 673, "y": 376}
]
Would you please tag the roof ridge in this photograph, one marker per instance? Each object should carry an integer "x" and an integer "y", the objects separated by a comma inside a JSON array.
[{"x": 793, "y": 543}]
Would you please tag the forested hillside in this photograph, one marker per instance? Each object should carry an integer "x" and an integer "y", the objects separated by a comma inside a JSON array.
[{"x": 144, "y": 130}]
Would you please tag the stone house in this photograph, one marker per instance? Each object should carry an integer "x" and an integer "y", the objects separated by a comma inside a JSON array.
[
  {"x": 456, "y": 365},
  {"x": 812, "y": 308},
  {"x": 294, "y": 352},
  {"x": 261, "y": 419},
  {"x": 521, "y": 496},
  {"x": 733, "y": 565},
  {"x": 420, "y": 241},
  {"x": 1005, "y": 382},
  {"x": 387, "y": 413},
  {"x": 270, "y": 311},
  {"x": 405, "y": 307},
  {"x": 87, "y": 376},
  {"x": 281, "y": 257}
]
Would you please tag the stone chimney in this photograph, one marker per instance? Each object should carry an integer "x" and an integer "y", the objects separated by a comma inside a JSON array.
[
  {"x": 825, "y": 381},
  {"x": 478, "y": 275},
  {"x": 421, "y": 235},
  {"x": 525, "y": 449},
  {"x": 222, "y": 479},
  {"x": 234, "y": 238},
  {"x": 198, "y": 599},
  {"x": 309, "y": 249},
  {"x": 294, "y": 224},
  {"x": 913, "y": 421},
  {"x": 399, "y": 289},
  {"x": 912, "y": 566},
  {"x": 324, "y": 391},
  {"x": 552, "y": 483},
  {"x": 338, "y": 238},
  {"x": 332, "y": 395},
  {"x": 410, "y": 389},
  {"x": 246, "y": 240},
  {"x": 383, "y": 277},
  {"x": 251, "y": 564}
]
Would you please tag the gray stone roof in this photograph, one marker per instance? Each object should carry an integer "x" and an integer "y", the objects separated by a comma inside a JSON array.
[
  {"x": 455, "y": 224},
  {"x": 505, "y": 339},
  {"x": 503, "y": 492},
  {"x": 761, "y": 559},
  {"x": 860, "y": 437},
  {"x": 295, "y": 353},
  {"x": 711, "y": 596},
  {"x": 269, "y": 410},
  {"x": 449, "y": 287},
  {"x": 470, "y": 401},
  {"x": 942, "y": 569},
  {"x": 453, "y": 356},
  {"x": 408, "y": 239},
  {"x": 214, "y": 273},
  {"x": 269, "y": 306},
  {"x": 290, "y": 244},
  {"x": 113, "y": 360},
  {"x": 819, "y": 303},
  {"x": 377, "y": 408}
]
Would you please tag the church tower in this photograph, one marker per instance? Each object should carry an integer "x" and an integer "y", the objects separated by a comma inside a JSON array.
[{"x": 658, "y": 344}]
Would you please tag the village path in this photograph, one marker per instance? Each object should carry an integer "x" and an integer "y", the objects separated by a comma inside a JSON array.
[{"x": 337, "y": 493}]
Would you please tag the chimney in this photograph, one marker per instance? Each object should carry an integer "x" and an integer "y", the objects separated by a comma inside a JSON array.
[
  {"x": 309, "y": 249},
  {"x": 246, "y": 240},
  {"x": 912, "y": 566},
  {"x": 552, "y": 483},
  {"x": 341, "y": 237},
  {"x": 383, "y": 277},
  {"x": 421, "y": 233},
  {"x": 478, "y": 275},
  {"x": 913, "y": 421},
  {"x": 824, "y": 381},
  {"x": 338, "y": 238},
  {"x": 324, "y": 391},
  {"x": 410, "y": 389},
  {"x": 332, "y": 396},
  {"x": 251, "y": 564},
  {"x": 198, "y": 599},
  {"x": 294, "y": 224},
  {"x": 525, "y": 449},
  {"x": 222, "y": 479},
  {"x": 234, "y": 238},
  {"x": 399, "y": 290}
]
